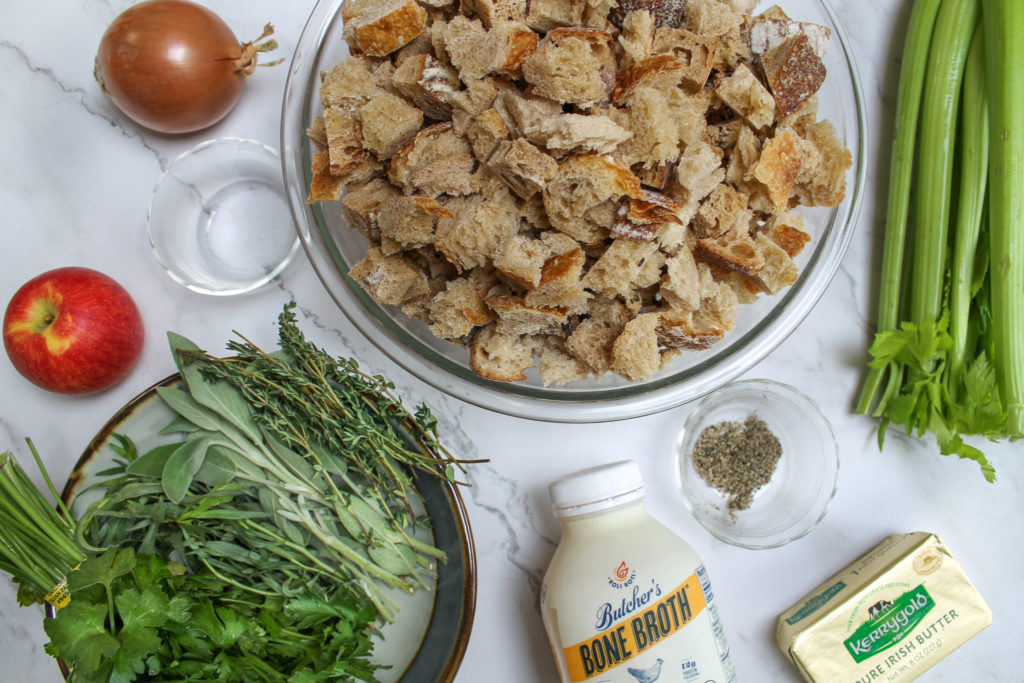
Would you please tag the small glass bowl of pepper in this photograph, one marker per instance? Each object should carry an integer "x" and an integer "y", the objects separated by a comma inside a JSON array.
[{"x": 757, "y": 463}]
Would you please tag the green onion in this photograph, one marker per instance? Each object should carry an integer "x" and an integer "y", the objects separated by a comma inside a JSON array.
[{"x": 1004, "y": 30}]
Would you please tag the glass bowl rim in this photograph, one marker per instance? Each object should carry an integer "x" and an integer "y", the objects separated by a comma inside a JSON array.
[{"x": 600, "y": 404}]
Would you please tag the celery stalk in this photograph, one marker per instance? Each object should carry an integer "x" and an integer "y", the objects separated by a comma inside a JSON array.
[
  {"x": 1004, "y": 27},
  {"x": 972, "y": 174},
  {"x": 908, "y": 107},
  {"x": 955, "y": 25}
]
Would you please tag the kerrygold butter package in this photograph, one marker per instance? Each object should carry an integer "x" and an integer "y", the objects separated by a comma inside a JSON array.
[{"x": 889, "y": 616}]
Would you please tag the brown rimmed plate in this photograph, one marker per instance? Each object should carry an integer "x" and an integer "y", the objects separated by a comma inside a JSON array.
[{"x": 428, "y": 638}]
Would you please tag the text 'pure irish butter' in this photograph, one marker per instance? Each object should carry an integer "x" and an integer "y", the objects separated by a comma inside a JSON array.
[{"x": 889, "y": 616}]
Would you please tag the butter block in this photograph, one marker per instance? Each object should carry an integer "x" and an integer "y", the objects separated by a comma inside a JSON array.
[{"x": 889, "y": 616}]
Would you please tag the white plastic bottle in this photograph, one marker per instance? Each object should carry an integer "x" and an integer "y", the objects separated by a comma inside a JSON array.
[{"x": 625, "y": 599}]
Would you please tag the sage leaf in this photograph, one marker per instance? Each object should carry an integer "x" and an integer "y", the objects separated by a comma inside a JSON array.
[
  {"x": 184, "y": 405},
  {"x": 178, "y": 424},
  {"x": 393, "y": 559},
  {"x": 181, "y": 468},
  {"x": 151, "y": 463},
  {"x": 218, "y": 467},
  {"x": 218, "y": 396}
]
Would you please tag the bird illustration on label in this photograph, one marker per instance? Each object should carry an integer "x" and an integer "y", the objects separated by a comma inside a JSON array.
[{"x": 648, "y": 675}]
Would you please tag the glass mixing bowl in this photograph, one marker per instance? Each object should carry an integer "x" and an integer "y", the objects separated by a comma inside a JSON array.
[{"x": 333, "y": 248}]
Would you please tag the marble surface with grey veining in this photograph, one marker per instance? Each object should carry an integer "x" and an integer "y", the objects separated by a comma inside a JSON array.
[{"x": 75, "y": 179}]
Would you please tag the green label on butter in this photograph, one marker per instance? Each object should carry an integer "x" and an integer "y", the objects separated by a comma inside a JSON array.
[
  {"x": 888, "y": 623},
  {"x": 815, "y": 603}
]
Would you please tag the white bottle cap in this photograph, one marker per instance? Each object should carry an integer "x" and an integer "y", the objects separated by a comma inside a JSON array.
[{"x": 597, "y": 488}]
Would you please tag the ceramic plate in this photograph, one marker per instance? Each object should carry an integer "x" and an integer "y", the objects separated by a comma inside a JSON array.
[{"x": 427, "y": 640}]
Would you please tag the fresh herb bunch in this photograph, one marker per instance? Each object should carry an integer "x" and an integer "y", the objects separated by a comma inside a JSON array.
[
  {"x": 134, "y": 615},
  {"x": 37, "y": 545},
  {"x": 264, "y": 542}
]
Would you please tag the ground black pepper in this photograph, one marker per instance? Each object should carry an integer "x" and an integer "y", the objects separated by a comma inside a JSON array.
[{"x": 737, "y": 458}]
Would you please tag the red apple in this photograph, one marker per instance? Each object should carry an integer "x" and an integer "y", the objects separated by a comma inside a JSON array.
[{"x": 73, "y": 331}]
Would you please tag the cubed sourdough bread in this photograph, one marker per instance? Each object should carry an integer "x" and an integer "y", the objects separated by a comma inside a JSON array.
[{"x": 568, "y": 189}]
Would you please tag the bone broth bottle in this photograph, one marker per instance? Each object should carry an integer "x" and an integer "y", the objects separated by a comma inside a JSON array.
[{"x": 625, "y": 599}]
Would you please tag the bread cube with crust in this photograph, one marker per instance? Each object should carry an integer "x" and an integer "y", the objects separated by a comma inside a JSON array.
[
  {"x": 390, "y": 279},
  {"x": 408, "y": 222},
  {"x": 794, "y": 73},
  {"x": 779, "y": 166},
  {"x": 516, "y": 317},
  {"x": 696, "y": 52},
  {"x": 584, "y": 182},
  {"x": 361, "y": 205},
  {"x": 556, "y": 364},
  {"x": 456, "y": 311},
  {"x": 379, "y": 27},
  {"x": 500, "y": 357},
  {"x": 343, "y": 136},
  {"x": 523, "y": 167},
  {"x": 349, "y": 84},
  {"x": 736, "y": 252},
  {"x": 656, "y": 72},
  {"x": 492, "y": 12},
  {"x": 561, "y": 283},
  {"x": 479, "y": 224},
  {"x": 635, "y": 353},
  {"x": 387, "y": 122},
  {"x": 326, "y": 186},
  {"x": 786, "y": 230},
  {"x": 663, "y": 12},
  {"x": 572, "y": 66},
  {"x": 521, "y": 258},
  {"x": 746, "y": 96},
  {"x": 427, "y": 83},
  {"x": 429, "y": 145},
  {"x": 485, "y": 131},
  {"x": 711, "y": 17},
  {"x": 683, "y": 330},
  {"x": 476, "y": 51}
]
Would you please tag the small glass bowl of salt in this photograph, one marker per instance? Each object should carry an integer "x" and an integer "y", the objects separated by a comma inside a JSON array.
[
  {"x": 757, "y": 463},
  {"x": 219, "y": 221}
]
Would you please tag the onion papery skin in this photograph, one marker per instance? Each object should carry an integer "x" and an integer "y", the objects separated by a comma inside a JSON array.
[{"x": 170, "y": 65}]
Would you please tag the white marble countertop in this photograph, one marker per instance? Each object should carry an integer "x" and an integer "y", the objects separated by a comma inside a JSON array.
[{"x": 75, "y": 179}]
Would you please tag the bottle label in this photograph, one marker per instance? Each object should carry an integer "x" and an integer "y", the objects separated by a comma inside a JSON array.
[{"x": 639, "y": 622}]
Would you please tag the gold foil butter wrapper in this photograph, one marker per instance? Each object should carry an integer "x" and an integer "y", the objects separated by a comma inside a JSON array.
[{"x": 889, "y": 616}]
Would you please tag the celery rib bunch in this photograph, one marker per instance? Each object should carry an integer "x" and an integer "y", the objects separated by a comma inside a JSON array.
[{"x": 948, "y": 357}]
